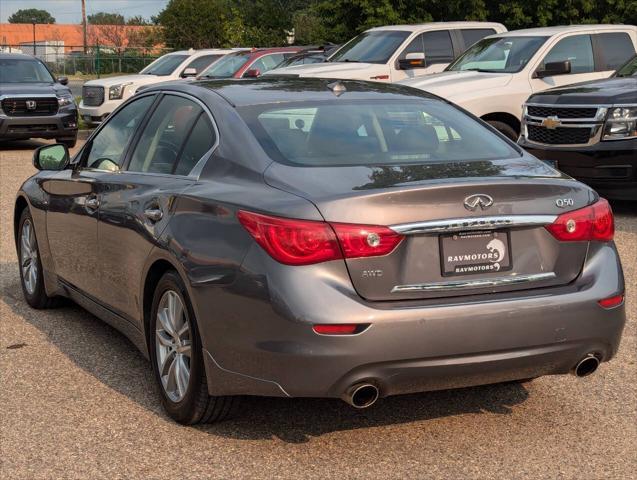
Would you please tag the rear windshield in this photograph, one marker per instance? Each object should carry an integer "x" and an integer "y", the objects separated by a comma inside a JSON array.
[{"x": 373, "y": 133}]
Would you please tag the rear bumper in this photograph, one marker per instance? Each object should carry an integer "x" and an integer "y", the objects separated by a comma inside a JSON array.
[
  {"x": 259, "y": 338},
  {"x": 61, "y": 125},
  {"x": 608, "y": 167}
]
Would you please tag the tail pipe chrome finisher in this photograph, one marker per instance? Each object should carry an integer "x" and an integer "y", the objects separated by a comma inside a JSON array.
[
  {"x": 361, "y": 395},
  {"x": 586, "y": 366}
]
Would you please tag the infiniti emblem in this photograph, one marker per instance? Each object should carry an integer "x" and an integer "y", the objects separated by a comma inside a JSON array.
[
  {"x": 472, "y": 202},
  {"x": 31, "y": 104}
]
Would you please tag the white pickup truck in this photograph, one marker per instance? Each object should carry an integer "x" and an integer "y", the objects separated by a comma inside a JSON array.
[
  {"x": 396, "y": 52},
  {"x": 494, "y": 78},
  {"x": 100, "y": 97}
]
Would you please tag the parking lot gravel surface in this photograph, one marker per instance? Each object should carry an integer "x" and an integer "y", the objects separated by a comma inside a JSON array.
[{"x": 78, "y": 401}]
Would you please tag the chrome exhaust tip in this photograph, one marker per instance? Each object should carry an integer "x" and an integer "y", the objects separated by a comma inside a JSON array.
[
  {"x": 586, "y": 366},
  {"x": 361, "y": 395}
]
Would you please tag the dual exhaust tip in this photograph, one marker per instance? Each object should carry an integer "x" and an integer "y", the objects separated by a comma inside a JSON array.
[{"x": 364, "y": 395}]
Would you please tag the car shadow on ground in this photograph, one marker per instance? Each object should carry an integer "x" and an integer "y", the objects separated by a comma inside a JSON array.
[{"x": 109, "y": 357}]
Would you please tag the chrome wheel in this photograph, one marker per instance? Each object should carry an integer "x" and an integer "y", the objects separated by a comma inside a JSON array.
[
  {"x": 173, "y": 345},
  {"x": 28, "y": 257}
]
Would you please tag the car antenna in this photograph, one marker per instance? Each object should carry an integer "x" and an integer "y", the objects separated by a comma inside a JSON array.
[{"x": 337, "y": 88}]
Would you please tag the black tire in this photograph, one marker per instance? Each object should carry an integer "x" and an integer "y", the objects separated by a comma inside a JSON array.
[
  {"x": 196, "y": 406},
  {"x": 504, "y": 129},
  {"x": 69, "y": 142},
  {"x": 38, "y": 297}
]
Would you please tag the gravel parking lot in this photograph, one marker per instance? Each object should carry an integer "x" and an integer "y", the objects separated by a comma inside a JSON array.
[{"x": 78, "y": 401}]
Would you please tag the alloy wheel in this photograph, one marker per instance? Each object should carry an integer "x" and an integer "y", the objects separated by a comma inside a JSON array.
[
  {"x": 173, "y": 345},
  {"x": 28, "y": 257}
]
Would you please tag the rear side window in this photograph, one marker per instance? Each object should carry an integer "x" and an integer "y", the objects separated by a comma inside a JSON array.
[
  {"x": 577, "y": 49},
  {"x": 438, "y": 47},
  {"x": 161, "y": 142},
  {"x": 201, "y": 139},
  {"x": 202, "y": 62},
  {"x": 372, "y": 133},
  {"x": 615, "y": 49},
  {"x": 473, "y": 35}
]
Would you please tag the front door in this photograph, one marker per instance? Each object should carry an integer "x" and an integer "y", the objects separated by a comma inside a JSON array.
[{"x": 577, "y": 49}]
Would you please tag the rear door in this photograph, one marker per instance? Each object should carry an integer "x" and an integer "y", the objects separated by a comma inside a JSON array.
[
  {"x": 140, "y": 200},
  {"x": 76, "y": 194}
]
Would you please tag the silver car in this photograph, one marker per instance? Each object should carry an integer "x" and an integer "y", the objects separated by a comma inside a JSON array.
[{"x": 315, "y": 238}]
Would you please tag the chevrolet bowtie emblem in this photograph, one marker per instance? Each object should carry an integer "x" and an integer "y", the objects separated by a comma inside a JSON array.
[{"x": 551, "y": 122}]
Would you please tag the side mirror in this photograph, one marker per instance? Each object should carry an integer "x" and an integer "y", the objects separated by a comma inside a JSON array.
[
  {"x": 63, "y": 80},
  {"x": 252, "y": 73},
  {"x": 412, "y": 60},
  {"x": 189, "y": 72},
  {"x": 51, "y": 157},
  {"x": 554, "y": 68}
]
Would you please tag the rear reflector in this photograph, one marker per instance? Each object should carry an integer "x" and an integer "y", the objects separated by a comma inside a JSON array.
[
  {"x": 612, "y": 302},
  {"x": 339, "y": 329},
  {"x": 304, "y": 242},
  {"x": 594, "y": 222}
]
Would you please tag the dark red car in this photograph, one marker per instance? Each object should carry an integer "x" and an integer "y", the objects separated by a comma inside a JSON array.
[{"x": 250, "y": 63}]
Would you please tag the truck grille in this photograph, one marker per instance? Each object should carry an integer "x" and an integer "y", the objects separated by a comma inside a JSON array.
[
  {"x": 92, "y": 96},
  {"x": 559, "y": 136},
  {"x": 30, "y": 107},
  {"x": 544, "y": 111}
]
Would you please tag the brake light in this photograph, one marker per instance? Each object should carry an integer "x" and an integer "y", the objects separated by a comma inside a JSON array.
[
  {"x": 594, "y": 222},
  {"x": 292, "y": 242},
  {"x": 304, "y": 242},
  {"x": 612, "y": 302}
]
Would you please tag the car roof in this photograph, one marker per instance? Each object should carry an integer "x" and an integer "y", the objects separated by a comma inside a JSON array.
[
  {"x": 18, "y": 56},
  {"x": 550, "y": 31},
  {"x": 281, "y": 90},
  {"x": 206, "y": 51},
  {"x": 432, "y": 25}
]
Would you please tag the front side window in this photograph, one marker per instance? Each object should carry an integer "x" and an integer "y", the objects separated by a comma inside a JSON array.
[
  {"x": 616, "y": 48},
  {"x": 267, "y": 63},
  {"x": 165, "y": 65},
  {"x": 474, "y": 35},
  {"x": 577, "y": 49},
  {"x": 371, "y": 47},
  {"x": 160, "y": 143},
  {"x": 438, "y": 47},
  {"x": 372, "y": 133},
  {"x": 18, "y": 70},
  {"x": 108, "y": 146},
  {"x": 200, "y": 63},
  {"x": 227, "y": 66},
  {"x": 499, "y": 54}
]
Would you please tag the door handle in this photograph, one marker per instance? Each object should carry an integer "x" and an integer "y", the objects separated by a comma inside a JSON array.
[
  {"x": 92, "y": 203},
  {"x": 153, "y": 214}
]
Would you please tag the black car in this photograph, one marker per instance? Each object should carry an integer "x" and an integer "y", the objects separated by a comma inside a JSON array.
[
  {"x": 33, "y": 103},
  {"x": 589, "y": 131}
]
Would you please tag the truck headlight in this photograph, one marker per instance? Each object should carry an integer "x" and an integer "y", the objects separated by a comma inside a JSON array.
[
  {"x": 116, "y": 92},
  {"x": 64, "y": 100},
  {"x": 621, "y": 123}
]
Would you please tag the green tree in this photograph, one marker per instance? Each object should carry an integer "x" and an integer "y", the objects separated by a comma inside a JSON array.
[
  {"x": 195, "y": 23},
  {"x": 28, "y": 15},
  {"x": 137, "y": 20},
  {"x": 105, "y": 18}
]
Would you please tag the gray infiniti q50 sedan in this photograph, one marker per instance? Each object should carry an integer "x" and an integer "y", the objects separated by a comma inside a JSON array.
[{"x": 307, "y": 237}]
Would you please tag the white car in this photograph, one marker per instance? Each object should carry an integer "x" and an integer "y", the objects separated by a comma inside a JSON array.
[
  {"x": 396, "y": 52},
  {"x": 100, "y": 97},
  {"x": 495, "y": 77}
]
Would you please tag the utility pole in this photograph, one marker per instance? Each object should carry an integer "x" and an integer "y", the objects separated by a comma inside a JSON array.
[
  {"x": 84, "y": 25},
  {"x": 33, "y": 20}
]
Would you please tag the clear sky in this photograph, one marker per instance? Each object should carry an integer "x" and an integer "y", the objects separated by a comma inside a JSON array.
[{"x": 70, "y": 11}]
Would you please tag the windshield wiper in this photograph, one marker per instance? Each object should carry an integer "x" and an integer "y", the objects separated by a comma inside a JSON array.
[
  {"x": 348, "y": 60},
  {"x": 481, "y": 70}
]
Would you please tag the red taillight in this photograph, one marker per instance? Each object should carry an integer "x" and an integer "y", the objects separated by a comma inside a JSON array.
[
  {"x": 339, "y": 329},
  {"x": 594, "y": 222},
  {"x": 366, "y": 240},
  {"x": 303, "y": 242},
  {"x": 611, "y": 302},
  {"x": 293, "y": 242}
]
